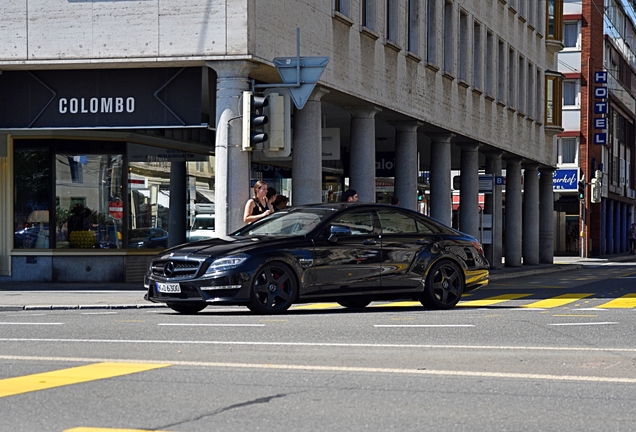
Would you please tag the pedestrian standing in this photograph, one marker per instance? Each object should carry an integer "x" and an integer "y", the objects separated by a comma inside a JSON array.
[
  {"x": 258, "y": 206},
  {"x": 632, "y": 239}
]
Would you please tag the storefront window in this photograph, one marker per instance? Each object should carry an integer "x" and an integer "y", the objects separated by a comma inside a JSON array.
[
  {"x": 88, "y": 201},
  {"x": 32, "y": 198},
  {"x": 109, "y": 195}
]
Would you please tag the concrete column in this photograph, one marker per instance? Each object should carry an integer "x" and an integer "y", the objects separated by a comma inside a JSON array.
[
  {"x": 177, "y": 211},
  {"x": 513, "y": 212},
  {"x": 617, "y": 227},
  {"x": 546, "y": 215},
  {"x": 530, "y": 227},
  {"x": 610, "y": 227},
  {"x": 469, "y": 189},
  {"x": 494, "y": 203},
  {"x": 362, "y": 163},
  {"x": 441, "y": 193},
  {"x": 232, "y": 165},
  {"x": 406, "y": 168},
  {"x": 307, "y": 157},
  {"x": 624, "y": 229}
]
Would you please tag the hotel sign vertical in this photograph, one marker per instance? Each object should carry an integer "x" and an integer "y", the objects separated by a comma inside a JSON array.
[{"x": 600, "y": 107}]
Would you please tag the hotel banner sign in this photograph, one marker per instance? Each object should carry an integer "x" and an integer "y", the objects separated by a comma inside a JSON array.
[{"x": 105, "y": 98}]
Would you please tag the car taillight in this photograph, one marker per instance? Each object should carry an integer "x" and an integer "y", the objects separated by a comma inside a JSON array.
[{"x": 478, "y": 247}]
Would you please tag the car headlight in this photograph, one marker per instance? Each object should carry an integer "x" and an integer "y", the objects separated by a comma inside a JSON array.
[{"x": 227, "y": 263}]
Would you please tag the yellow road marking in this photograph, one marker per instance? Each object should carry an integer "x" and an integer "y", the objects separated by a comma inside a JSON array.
[
  {"x": 626, "y": 302},
  {"x": 318, "y": 306},
  {"x": 558, "y": 300},
  {"x": 491, "y": 300},
  {"x": 76, "y": 375},
  {"x": 400, "y": 304}
]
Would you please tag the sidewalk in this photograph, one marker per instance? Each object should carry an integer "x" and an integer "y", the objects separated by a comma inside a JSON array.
[{"x": 55, "y": 296}]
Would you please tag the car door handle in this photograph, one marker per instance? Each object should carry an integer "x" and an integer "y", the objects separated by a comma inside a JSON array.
[
  {"x": 423, "y": 241},
  {"x": 369, "y": 242}
]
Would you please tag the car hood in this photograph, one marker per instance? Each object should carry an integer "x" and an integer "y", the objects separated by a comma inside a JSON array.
[{"x": 225, "y": 245}]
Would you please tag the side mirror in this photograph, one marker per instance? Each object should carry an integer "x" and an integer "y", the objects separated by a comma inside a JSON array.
[{"x": 338, "y": 231}]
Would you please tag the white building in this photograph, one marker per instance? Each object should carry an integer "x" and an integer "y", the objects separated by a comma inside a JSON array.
[{"x": 422, "y": 86}]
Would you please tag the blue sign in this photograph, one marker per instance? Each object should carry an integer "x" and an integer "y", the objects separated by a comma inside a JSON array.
[
  {"x": 600, "y": 123},
  {"x": 600, "y": 92},
  {"x": 600, "y": 138},
  {"x": 565, "y": 180},
  {"x": 499, "y": 180},
  {"x": 600, "y": 107},
  {"x": 600, "y": 77}
]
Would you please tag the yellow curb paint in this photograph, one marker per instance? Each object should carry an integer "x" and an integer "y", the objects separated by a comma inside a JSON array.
[
  {"x": 76, "y": 375},
  {"x": 491, "y": 300},
  {"x": 318, "y": 306},
  {"x": 558, "y": 300}
]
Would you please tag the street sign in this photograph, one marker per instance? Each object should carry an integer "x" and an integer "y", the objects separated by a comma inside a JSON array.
[
  {"x": 485, "y": 183},
  {"x": 116, "y": 209},
  {"x": 306, "y": 75}
]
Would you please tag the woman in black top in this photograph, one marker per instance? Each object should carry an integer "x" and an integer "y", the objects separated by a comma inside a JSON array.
[{"x": 257, "y": 207}]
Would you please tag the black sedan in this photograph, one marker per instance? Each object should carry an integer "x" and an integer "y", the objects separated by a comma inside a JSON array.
[{"x": 352, "y": 254}]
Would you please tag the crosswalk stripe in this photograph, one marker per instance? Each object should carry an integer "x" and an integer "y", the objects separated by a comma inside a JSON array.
[
  {"x": 558, "y": 300},
  {"x": 491, "y": 300},
  {"x": 76, "y": 375},
  {"x": 627, "y": 301}
]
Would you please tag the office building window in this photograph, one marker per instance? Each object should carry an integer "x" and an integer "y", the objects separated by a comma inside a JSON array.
[
  {"x": 568, "y": 150},
  {"x": 413, "y": 10},
  {"x": 490, "y": 62},
  {"x": 342, "y": 6},
  {"x": 462, "y": 58},
  {"x": 571, "y": 35},
  {"x": 431, "y": 31},
  {"x": 449, "y": 34},
  {"x": 368, "y": 14},
  {"x": 554, "y": 19},
  {"x": 553, "y": 98},
  {"x": 478, "y": 57},
  {"x": 571, "y": 93},
  {"x": 392, "y": 21}
]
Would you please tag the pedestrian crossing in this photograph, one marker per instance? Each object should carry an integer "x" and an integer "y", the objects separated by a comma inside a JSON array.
[{"x": 509, "y": 300}]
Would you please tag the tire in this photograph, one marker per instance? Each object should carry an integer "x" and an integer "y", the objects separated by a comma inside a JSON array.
[
  {"x": 274, "y": 289},
  {"x": 354, "y": 304},
  {"x": 444, "y": 286},
  {"x": 187, "y": 308}
]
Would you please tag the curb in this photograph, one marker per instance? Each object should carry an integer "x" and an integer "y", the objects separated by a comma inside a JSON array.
[
  {"x": 532, "y": 272},
  {"x": 71, "y": 307}
]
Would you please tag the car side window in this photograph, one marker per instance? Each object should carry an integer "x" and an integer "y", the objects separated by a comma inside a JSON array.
[
  {"x": 359, "y": 222},
  {"x": 393, "y": 222},
  {"x": 424, "y": 228}
]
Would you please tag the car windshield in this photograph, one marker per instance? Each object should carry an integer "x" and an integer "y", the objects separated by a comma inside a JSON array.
[{"x": 291, "y": 222}]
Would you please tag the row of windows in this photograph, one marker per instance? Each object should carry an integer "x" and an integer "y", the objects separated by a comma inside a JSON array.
[{"x": 472, "y": 52}]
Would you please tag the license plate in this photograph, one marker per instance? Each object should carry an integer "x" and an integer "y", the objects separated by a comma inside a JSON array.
[{"x": 168, "y": 287}]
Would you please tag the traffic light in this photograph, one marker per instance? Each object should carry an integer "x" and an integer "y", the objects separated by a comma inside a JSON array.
[
  {"x": 253, "y": 118},
  {"x": 596, "y": 186},
  {"x": 420, "y": 194},
  {"x": 582, "y": 190}
]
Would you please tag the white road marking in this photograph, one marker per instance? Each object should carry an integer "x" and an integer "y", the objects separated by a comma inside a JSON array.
[
  {"x": 209, "y": 325},
  {"x": 321, "y": 344},
  {"x": 316, "y": 368},
  {"x": 583, "y": 324},
  {"x": 29, "y": 323},
  {"x": 99, "y": 313},
  {"x": 423, "y": 325}
]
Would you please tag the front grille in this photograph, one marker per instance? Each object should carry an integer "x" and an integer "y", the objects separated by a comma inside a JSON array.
[
  {"x": 187, "y": 293},
  {"x": 175, "y": 269}
]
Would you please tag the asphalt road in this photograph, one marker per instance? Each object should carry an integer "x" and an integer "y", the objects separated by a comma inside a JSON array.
[{"x": 547, "y": 352}]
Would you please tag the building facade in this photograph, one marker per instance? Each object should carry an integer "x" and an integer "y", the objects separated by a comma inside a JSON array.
[
  {"x": 119, "y": 120},
  {"x": 594, "y": 210}
]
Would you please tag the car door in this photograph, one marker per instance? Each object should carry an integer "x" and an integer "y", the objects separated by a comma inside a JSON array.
[
  {"x": 348, "y": 255},
  {"x": 402, "y": 240}
]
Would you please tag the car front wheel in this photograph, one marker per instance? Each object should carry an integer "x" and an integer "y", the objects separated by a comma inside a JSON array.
[
  {"x": 274, "y": 289},
  {"x": 444, "y": 286}
]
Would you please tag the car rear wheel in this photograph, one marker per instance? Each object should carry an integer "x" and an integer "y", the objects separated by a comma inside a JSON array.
[
  {"x": 187, "y": 308},
  {"x": 354, "y": 304},
  {"x": 444, "y": 286},
  {"x": 274, "y": 289}
]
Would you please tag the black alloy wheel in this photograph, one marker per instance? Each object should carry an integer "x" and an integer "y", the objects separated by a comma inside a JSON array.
[
  {"x": 274, "y": 289},
  {"x": 187, "y": 308},
  {"x": 444, "y": 286},
  {"x": 354, "y": 304}
]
